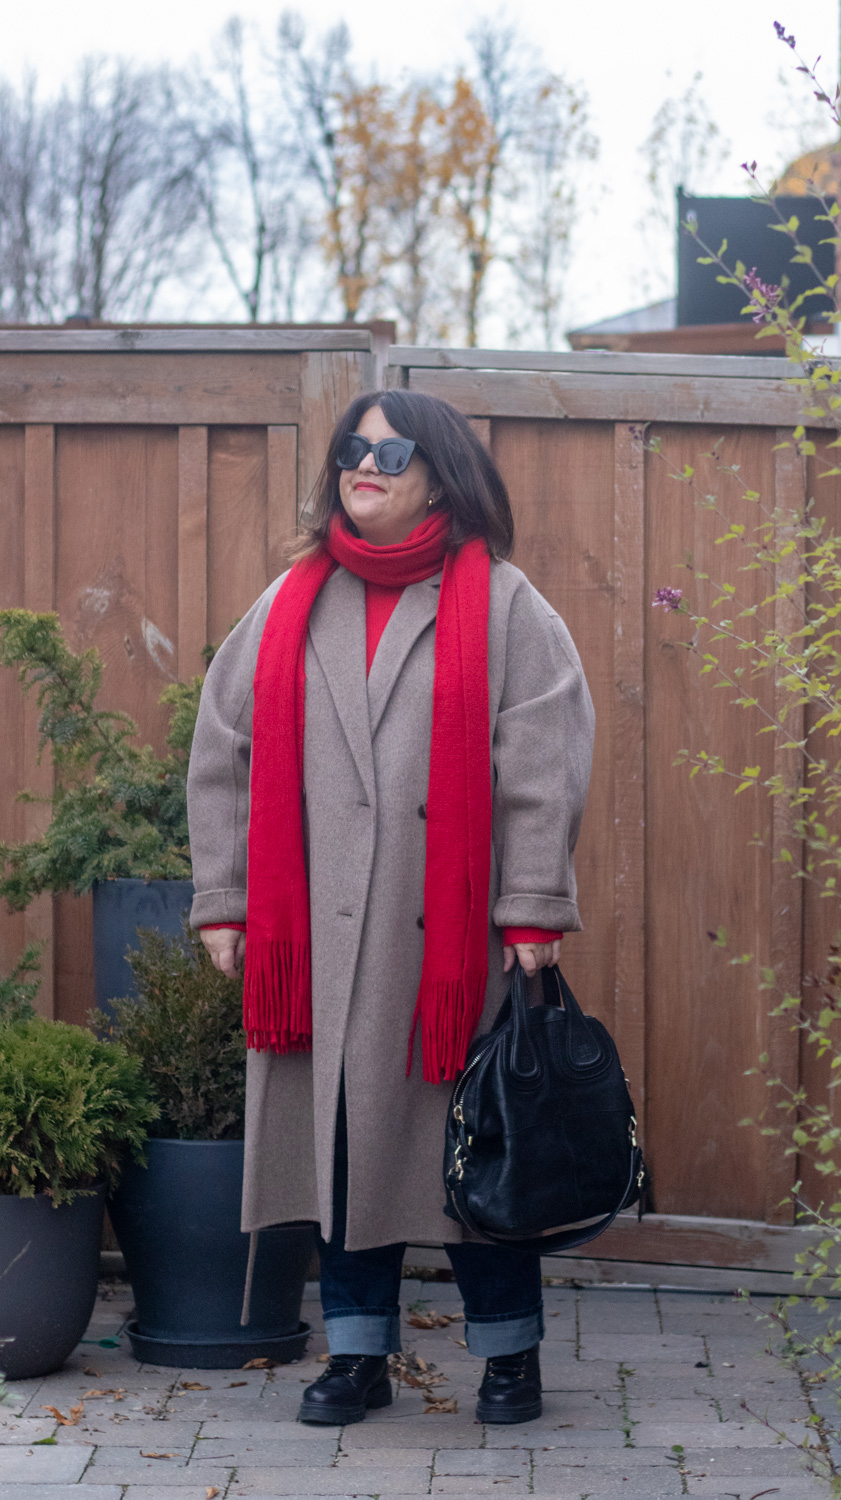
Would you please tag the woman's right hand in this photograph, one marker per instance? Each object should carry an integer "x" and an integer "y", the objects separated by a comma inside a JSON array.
[{"x": 226, "y": 946}]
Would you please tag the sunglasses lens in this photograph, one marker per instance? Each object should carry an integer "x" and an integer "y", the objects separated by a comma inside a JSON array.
[
  {"x": 394, "y": 456},
  {"x": 351, "y": 452}
]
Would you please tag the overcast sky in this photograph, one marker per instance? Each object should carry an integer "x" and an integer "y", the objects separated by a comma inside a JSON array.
[{"x": 629, "y": 57}]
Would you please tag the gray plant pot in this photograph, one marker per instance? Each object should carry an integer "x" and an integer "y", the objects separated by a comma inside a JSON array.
[
  {"x": 50, "y": 1257},
  {"x": 119, "y": 908},
  {"x": 177, "y": 1223}
]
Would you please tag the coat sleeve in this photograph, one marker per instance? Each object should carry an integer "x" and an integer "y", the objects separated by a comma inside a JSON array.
[
  {"x": 219, "y": 773},
  {"x": 542, "y": 755}
]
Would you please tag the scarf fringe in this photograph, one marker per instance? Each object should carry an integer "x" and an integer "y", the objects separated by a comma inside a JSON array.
[
  {"x": 277, "y": 997},
  {"x": 450, "y": 1010}
]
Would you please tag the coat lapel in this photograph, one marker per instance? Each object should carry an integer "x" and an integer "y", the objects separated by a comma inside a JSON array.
[
  {"x": 337, "y": 634},
  {"x": 416, "y": 609}
]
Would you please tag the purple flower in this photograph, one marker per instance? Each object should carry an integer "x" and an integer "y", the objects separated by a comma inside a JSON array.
[
  {"x": 668, "y": 597},
  {"x": 769, "y": 293},
  {"x": 781, "y": 33}
]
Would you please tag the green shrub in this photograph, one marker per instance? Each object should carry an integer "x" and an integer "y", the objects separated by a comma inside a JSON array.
[
  {"x": 118, "y": 808},
  {"x": 70, "y": 1108},
  {"x": 16, "y": 991},
  {"x": 186, "y": 1032}
]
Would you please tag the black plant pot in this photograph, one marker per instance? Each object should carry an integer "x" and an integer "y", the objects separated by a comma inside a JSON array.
[
  {"x": 50, "y": 1257},
  {"x": 177, "y": 1223},
  {"x": 119, "y": 908}
]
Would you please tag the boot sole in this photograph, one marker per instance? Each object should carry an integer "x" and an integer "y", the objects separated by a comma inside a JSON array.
[
  {"x": 499, "y": 1417},
  {"x": 341, "y": 1416}
]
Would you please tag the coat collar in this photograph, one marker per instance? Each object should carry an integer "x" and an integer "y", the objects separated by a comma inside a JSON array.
[
  {"x": 415, "y": 610},
  {"x": 337, "y": 633}
]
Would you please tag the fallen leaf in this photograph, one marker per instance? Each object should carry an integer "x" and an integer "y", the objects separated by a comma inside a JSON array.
[
  {"x": 422, "y": 1364},
  {"x": 159, "y": 1455},
  {"x": 108, "y": 1390},
  {"x": 323, "y": 1359},
  {"x": 89, "y": 1371},
  {"x": 211, "y": 1492},
  {"x": 441, "y": 1403},
  {"x": 194, "y": 1385},
  {"x": 43, "y": 1442},
  {"x": 71, "y": 1421},
  {"x": 462, "y": 1343},
  {"x": 259, "y": 1364},
  {"x": 433, "y": 1319},
  {"x": 232, "y": 1384}
]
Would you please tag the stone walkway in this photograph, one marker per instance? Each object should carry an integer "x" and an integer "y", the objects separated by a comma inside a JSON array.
[{"x": 643, "y": 1395}]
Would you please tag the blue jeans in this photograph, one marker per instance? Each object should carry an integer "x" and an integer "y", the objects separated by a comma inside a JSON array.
[{"x": 360, "y": 1289}]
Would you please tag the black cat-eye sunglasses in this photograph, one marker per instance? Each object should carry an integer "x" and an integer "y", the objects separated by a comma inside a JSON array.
[{"x": 391, "y": 456}]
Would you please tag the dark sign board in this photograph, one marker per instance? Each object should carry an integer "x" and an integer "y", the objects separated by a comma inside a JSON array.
[{"x": 746, "y": 226}]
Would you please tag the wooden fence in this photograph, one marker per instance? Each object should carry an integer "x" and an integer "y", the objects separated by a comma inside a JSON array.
[
  {"x": 147, "y": 485},
  {"x": 662, "y": 863}
]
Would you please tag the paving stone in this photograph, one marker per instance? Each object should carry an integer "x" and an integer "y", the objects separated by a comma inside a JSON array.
[
  {"x": 289, "y": 1482},
  {"x": 557, "y": 1436},
  {"x": 19, "y": 1465},
  {"x": 171, "y": 1457},
  {"x": 629, "y": 1349},
  {"x": 705, "y": 1435},
  {"x": 144, "y": 1433},
  {"x": 738, "y": 1488},
  {"x": 690, "y": 1409},
  {"x": 266, "y": 1451},
  {"x": 753, "y": 1462},
  {"x": 163, "y": 1492},
  {"x": 620, "y": 1460},
  {"x": 389, "y": 1458},
  {"x": 479, "y": 1485},
  {"x": 157, "y": 1473},
  {"x": 63, "y": 1492},
  {"x": 617, "y": 1313},
  {"x": 233, "y": 1430},
  {"x": 26, "y": 1429},
  {"x": 423, "y": 1432},
  {"x": 649, "y": 1484},
  {"x": 513, "y": 1462}
]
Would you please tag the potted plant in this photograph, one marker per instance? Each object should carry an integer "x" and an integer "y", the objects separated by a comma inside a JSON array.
[
  {"x": 71, "y": 1107},
  {"x": 177, "y": 1219},
  {"x": 119, "y": 810}
]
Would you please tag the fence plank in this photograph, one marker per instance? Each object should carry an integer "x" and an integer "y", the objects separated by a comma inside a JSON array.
[
  {"x": 39, "y": 595},
  {"x": 138, "y": 389},
  {"x": 192, "y": 549},
  {"x": 187, "y": 340},
  {"x": 237, "y": 530},
  {"x": 282, "y": 495},
  {"x": 786, "y": 934},
  {"x": 629, "y": 758},
  {"x": 13, "y": 770},
  {"x": 595, "y": 361},
  {"x": 615, "y": 398}
]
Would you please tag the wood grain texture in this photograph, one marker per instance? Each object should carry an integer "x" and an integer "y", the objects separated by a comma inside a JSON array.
[
  {"x": 39, "y": 595},
  {"x": 786, "y": 936},
  {"x": 613, "y": 398},
  {"x": 561, "y": 479},
  {"x": 190, "y": 340},
  {"x": 592, "y": 362},
  {"x": 237, "y": 529},
  {"x": 482, "y": 428},
  {"x": 629, "y": 759},
  {"x": 192, "y": 550},
  {"x": 705, "y": 1023},
  {"x": 139, "y": 389},
  {"x": 282, "y": 496},
  {"x": 328, "y": 383},
  {"x": 13, "y": 768}
]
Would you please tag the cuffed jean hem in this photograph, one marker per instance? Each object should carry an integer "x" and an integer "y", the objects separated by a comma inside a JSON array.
[
  {"x": 363, "y": 1333},
  {"x": 490, "y": 1337}
]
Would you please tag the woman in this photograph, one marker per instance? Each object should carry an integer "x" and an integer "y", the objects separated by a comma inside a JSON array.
[{"x": 396, "y": 740}]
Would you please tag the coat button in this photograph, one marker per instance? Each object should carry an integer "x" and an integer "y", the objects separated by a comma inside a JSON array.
[
  {"x": 420, "y": 923},
  {"x": 422, "y": 811}
]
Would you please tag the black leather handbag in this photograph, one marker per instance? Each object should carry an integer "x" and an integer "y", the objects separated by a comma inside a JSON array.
[{"x": 541, "y": 1150}]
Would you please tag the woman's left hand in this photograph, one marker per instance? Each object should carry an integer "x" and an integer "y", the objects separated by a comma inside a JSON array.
[{"x": 532, "y": 956}]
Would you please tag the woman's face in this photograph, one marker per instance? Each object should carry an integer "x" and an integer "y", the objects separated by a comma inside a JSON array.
[{"x": 385, "y": 507}]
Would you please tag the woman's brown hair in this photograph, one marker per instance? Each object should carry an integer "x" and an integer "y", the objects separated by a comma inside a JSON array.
[{"x": 474, "y": 491}]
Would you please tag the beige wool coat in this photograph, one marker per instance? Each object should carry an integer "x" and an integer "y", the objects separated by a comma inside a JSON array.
[{"x": 366, "y": 772}]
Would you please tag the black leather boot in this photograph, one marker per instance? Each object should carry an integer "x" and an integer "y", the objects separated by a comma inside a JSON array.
[
  {"x": 511, "y": 1390},
  {"x": 351, "y": 1385}
]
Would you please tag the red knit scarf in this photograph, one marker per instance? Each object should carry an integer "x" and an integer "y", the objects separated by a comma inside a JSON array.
[{"x": 278, "y": 983}]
